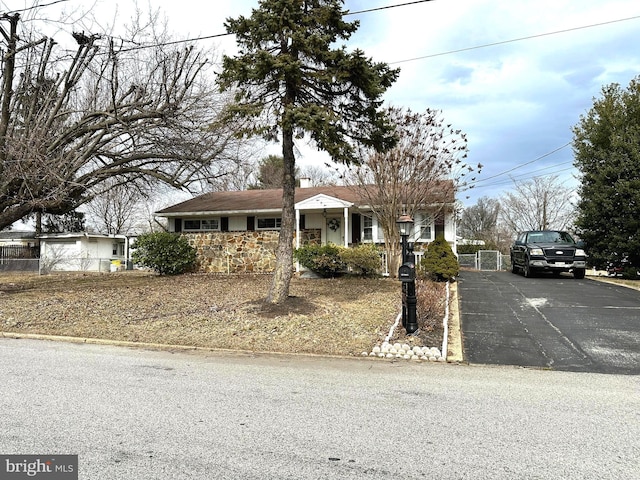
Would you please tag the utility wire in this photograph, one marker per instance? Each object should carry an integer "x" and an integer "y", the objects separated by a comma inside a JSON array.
[
  {"x": 218, "y": 35},
  {"x": 517, "y": 179},
  {"x": 450, "y": 52},
  {"x": 387, "y": 7},
  {"x": 514, "y": 40},
  {"x": 526, "y": 163},
  {"x": 478, "y": 184},
  {"x": 38, "y": 6}
]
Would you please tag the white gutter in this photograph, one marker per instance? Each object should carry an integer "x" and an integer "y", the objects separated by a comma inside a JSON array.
[{"x": 219, "y": 213}]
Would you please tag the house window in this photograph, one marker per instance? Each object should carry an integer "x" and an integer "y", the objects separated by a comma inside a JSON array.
[
  {"x": 367, "y": 228},
  {"x": 200, "y": 225},
  {"x": 269, "y": 223},
  {"x": 425, "y": 226}
]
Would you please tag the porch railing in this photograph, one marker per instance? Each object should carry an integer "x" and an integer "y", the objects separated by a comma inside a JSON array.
[{"x": 385, "y": 263}]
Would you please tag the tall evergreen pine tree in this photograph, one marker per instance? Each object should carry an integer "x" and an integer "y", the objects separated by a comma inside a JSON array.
[
  {"x": 290, "y": 80},
  {"x": 607, "y": 153}
]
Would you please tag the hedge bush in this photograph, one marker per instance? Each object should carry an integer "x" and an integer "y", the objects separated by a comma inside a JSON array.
[
  {"x": 324, "y": 260},
  {"x": 439, "y": 263},
  {"x": 164, "y": 252},
  {"x": 363, "y": 259},
  {"x": 331, "y": 260}
]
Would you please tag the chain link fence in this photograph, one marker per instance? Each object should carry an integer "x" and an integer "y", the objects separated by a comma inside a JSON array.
[
  {"x": 17, "y": 265},
  {"x": 485, "y": 260},
  {"x": 46, "y": 265}
]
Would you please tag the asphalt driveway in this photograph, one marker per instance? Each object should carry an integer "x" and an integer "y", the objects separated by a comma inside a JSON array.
[{"x": 557, "y": 323}]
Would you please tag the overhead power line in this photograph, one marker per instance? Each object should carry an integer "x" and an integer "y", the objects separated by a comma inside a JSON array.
[
  {"x": 526, "y": 163},
  {"x": 41, "y": 5},
  {"x": 530, "y": 37},
  {"x": 423, "y": 57},
  {"x": 519, "y": 179},
  {"x": 387, "y": 7},
  {"x": 450, "y": 52},
  {"x": 531, "y": 174}
]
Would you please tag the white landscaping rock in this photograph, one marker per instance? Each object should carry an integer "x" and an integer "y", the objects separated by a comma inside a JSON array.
[{"x": 406, "y": 352}]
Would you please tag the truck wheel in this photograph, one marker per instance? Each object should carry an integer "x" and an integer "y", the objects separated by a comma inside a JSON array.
[
  {"x": 578, "y": 273},
  {"x": 527, "y": 269}
]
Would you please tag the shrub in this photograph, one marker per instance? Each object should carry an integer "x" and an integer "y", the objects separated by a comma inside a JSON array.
[
  {"x": 363, "y": 259},
  {"x": 325, "y": 260},
  {"x": 166, "y": 253},
  {"x": 439, "y": 262},
  {"x": 431, "y": 303}
]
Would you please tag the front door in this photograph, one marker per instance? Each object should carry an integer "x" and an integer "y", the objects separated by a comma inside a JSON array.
[{"x": 334, "y": 230}]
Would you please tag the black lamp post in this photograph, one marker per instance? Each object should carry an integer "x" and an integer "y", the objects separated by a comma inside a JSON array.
[
  {"x": 407, "y": 275},
  {"x": 405, "y": 226}
]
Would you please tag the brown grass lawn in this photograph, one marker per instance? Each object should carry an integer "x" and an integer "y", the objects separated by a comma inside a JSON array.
[{"x": 344, "y": 316}]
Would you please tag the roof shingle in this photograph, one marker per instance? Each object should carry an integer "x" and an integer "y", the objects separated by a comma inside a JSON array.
[{"x": 254, "y": 200}]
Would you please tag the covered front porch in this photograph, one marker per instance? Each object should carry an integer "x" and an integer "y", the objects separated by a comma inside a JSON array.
[{"x": 332, "y": 218}]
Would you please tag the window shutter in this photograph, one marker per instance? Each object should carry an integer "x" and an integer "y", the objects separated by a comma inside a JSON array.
[{"x": 355, "y": 228}]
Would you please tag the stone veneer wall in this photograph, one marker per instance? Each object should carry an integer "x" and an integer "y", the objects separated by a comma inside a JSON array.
[
  {"x": 242, "y": 252},
  {"x": 235, "y": 252},
  {"x": 311, "y": 236}
]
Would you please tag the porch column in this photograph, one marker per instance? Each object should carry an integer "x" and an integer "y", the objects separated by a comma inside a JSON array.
[
  {"x": 346, "y": 227},
  {"x": 297, "y": 236}
]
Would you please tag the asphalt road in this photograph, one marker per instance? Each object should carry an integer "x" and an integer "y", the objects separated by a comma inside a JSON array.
[
  {"x": 136, "y": 414},
  {"x": 558, "y": 323}
]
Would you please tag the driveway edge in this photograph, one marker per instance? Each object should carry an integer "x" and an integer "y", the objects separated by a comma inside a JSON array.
[{"x": 454, "y": 350}]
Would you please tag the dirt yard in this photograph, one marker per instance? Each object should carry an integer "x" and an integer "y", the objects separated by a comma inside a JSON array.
[{"x": 343, "y": 316}]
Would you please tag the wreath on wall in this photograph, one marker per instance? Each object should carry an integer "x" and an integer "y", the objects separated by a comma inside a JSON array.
[{"x": 334, "y": 224}]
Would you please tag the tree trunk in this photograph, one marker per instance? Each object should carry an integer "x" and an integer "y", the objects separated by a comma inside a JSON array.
[
  {"x": 7, "y": 86},
  {"x": 284, "y": 255}
]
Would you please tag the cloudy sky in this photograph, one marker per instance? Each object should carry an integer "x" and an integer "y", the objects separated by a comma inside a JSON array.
[{"x": 515, "y": 75}]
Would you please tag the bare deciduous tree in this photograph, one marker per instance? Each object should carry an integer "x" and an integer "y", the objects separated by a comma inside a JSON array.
[
  {"x": 116, "y": 210},
  {"x": 480, "y": 221},
  {"x": 539, "y": 204},
  {"x": 70, "y": 123},
  {"x": 321, "y": 176},
  {"x": 424, "y": 169}
]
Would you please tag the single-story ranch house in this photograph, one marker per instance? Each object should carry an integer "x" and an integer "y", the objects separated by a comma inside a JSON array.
[{"x": 237, "y": 231}]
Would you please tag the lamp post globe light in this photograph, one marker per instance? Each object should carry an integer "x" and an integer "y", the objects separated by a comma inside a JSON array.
[{"x": 407, "y": 275}]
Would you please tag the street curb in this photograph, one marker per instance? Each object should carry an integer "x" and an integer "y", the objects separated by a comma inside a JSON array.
[
  {"x": 101, "y": 341},
  {"x": 170, "y": 347}
]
